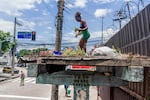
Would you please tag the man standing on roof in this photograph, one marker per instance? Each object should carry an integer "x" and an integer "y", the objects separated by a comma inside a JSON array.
[{"x": 82, "y": 30}]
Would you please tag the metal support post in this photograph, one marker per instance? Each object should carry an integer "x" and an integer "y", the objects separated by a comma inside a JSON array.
[
  {"x": 58, "y": 39},
  {"x": 14, "y": 48},
  {"x": 102, "y": 37}
]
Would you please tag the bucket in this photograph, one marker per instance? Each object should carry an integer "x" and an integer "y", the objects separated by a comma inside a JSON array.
[{"x": 69, "y": 92}]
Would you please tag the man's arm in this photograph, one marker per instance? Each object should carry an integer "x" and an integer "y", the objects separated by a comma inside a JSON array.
[{"x": 79, "y": 33}]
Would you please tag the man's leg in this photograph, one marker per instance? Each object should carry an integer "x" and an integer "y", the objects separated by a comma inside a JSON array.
[
  {"x": 84, "y": 44},
  {"x": 81, "y": 44},
  {"x": 23, "y": 82}
]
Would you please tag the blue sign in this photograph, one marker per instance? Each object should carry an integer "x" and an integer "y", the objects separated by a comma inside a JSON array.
[{"x": 24, "y": 35}]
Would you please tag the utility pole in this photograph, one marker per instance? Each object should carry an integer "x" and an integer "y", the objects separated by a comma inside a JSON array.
[
  {"x": 138, "y": 4},
  {"x": 128, "y": 6},
  {"x": 59, "y": 25},
  {"x": 14, "y": 48},
  {"x": 102, "y": 37},
  {"x": 0, "y": 47},
  {"x": 121, "y": 16}
]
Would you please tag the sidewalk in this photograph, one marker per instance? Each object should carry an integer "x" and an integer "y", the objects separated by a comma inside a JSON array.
[
  {"x": 92, "y": 94},
  {"x": 4, "y": 76},
  {"x": 2, "y": 79}
]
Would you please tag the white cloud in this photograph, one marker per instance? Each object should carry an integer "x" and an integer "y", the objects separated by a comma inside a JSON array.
[
  {"x": 39, "y": 1},
  {"x": 109, "y": 32},
  {"x": 78, "y": 4},
  {"x": 49, "y": 28},
  {"x": 45, "y": 12},
  {"x": 42, "y": 23},
  {"x": 46, "y": 1},
  {"x": 58, "y": 0},
  {"x": 42, "y": 38},
  {"x": 36, "y": 9},
  {"x": 26, "y": 24},
  {"x": 127, "y": 0},
  {"x": 15, "y": 7},
  {"x": 103, "y": 1},
  {"x": 6, "y": 26},
  {"x": 101, "y": 12},
  {"x": 70, "y": 36},
  {"x": 69, "y": 5}
]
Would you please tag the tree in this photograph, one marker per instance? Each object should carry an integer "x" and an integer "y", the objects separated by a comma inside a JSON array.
[
  {"x": 5, "y": 39},
  {"x": 24, "y": 52}
]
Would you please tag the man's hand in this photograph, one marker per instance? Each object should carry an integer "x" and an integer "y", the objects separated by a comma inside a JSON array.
[
  {"x": 76, "y": 35},
  {"x": 77, "y": 29}
]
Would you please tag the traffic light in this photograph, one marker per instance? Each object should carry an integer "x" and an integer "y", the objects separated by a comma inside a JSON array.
[{"x": 33, "y": 35}]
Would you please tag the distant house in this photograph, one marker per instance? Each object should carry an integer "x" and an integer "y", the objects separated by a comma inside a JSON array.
[
  {"x": 2, "y": 61},
  {"x": 27, "y": 59},
  {"x": 6, "y": 59}
]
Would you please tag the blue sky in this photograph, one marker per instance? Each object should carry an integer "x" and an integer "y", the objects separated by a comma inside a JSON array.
[{"x": 40, "y": 16}]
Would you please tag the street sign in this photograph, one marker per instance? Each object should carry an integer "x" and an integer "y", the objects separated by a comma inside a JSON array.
[{"x": 24, "y": 35}]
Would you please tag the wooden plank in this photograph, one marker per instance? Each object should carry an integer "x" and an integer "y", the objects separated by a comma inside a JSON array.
[
  {"x": 97, "y": 61},
  {"x": 132, "y": 93},
  {"x": 61, "y": 78}
]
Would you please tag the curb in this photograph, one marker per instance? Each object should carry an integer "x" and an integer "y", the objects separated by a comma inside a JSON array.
[
  {"x": 8, "y": 78},
  {"x": 1, "y": 80}
]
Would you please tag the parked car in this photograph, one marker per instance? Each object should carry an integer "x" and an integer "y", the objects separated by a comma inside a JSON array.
[
  {"x": 20, "y": 65},
  {"x": 8, "y": 69}
]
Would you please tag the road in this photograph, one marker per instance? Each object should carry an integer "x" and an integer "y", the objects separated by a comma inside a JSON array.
[{"x": 11, "y": 90}]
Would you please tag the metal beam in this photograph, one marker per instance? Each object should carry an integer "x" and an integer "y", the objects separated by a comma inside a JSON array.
[
  {"x": 95, "y": 79},
  {"x": 134, "y": 94},
  {"x": 97, "y": 61}
]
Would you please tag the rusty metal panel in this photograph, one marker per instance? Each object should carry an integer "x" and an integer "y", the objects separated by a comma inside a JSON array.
[
  {"x": 142, "y": 23},
  {"x": 132, "y": 74},
  {"x": 104, "y": 92},
  {"x": 147, "y": 82},
  {"x": 138, "y": 88},
  {"x": 147, "y": 23},
  {"x": 142, "y": 89},
  {"x": 148, "y": 46},
  {"x": 32, "y": 70},
  {"x": 120, "y": 94}
]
